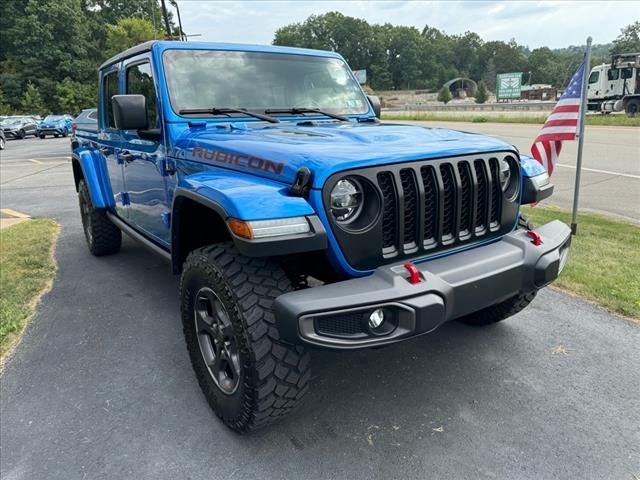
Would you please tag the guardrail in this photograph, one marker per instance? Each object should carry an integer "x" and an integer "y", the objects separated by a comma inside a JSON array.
[{"x": 477, "y": 107}]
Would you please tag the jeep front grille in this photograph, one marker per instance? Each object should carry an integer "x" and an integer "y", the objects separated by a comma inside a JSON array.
[{"x": 430, "y": 206}]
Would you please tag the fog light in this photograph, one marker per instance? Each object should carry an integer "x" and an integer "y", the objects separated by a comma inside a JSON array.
[{"x": 376, "y": 318}]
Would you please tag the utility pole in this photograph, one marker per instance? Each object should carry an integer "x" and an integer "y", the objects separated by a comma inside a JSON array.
[
  {"x": 182, "y": 35},
  {"x": 166, "y": 19}
]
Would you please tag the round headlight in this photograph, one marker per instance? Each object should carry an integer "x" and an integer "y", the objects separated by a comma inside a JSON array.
[
  {"x": 346, "y": 200},
  {"x": 504, "y": 174}
]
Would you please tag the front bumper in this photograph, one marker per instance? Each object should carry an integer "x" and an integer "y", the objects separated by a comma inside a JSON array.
[
  {"x": 450, "y": 287},
  {"x": 51, "y": 130}
]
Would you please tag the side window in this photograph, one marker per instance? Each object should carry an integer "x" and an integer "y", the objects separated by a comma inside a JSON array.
[
  {"x": 627, "y": 73},
  {"x": 593, "y": 78},
  {"x": 92, "y": 115},
  {"x": 140, "y": 81},
  {"x": 613, "y": 74},
  {"x": 110, "y": 87}
]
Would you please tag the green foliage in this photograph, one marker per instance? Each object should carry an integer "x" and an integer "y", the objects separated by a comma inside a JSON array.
[
  {"x": 51, "y": 43},
  {"x": 400, "y": 57},
  {"x": 482, "y": 95},
  {"x": 31, "y": 101},
  {"x": 5, "y": 108},
  {"x": 127, "y": 33},
  {"x": 629, "y": 39},
  {"x": 444, "y": 95},
  {"x": 73, "y": 96}
]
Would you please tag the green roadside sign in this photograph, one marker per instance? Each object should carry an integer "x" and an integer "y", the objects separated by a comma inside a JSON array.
[{"x": 508, "y": 85}]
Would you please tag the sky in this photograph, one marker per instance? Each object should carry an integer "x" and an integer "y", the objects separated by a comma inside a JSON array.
[{"x": 550, "y": 23}]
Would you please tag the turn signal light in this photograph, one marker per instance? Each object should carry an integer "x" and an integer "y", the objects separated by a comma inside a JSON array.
[{"x": 269, "y": 228}]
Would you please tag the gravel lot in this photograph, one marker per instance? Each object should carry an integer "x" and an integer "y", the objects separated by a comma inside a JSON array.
[{"x": 101, "y": 386}]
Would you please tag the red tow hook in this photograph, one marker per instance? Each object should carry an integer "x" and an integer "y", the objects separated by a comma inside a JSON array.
[
  {"x": 536, "y": 239},
  {"x": 414, "y": 273}
]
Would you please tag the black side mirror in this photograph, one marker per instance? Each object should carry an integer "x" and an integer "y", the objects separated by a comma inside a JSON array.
[
  {"x": 130, "y": 112},
  {"x": 375, "y": 104}
]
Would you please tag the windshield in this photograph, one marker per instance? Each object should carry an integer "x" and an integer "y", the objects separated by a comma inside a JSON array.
[
  {"x": 260, "y": 81},
  {"x": 54, "y": 118},
  {"x": 11, "y": 121}
]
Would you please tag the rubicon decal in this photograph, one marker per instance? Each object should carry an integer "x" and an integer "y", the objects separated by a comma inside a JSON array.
[{"x": 244, "y": 161}]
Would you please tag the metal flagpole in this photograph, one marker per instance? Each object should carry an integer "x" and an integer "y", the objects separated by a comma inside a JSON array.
[{"x": 583, "y": 111}]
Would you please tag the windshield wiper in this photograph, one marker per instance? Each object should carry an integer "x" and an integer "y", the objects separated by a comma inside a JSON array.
[
  {"x": 297, "y": 111},
  {"x": 227, "y": 111}
]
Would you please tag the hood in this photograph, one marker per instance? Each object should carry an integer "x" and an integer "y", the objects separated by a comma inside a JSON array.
[{"x": 278, "y": 151}]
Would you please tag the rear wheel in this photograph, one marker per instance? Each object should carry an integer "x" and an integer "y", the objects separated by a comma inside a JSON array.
[
  {"x": 633, "y": 107},
  {"x": 21, "y": 134},
  {"x": 103, "y": 237},
  {"x": 248, "y": 375},
  {"x": 42, "y": 136}
]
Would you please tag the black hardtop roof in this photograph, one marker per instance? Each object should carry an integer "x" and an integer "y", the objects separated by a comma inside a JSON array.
[{"x": 141, "y": 48}]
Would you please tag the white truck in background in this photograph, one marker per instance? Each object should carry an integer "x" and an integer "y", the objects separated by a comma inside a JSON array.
[{"x": 615, "y": 87}]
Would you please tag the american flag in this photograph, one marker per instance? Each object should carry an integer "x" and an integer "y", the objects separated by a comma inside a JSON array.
[{"x": 561, "y": 125}]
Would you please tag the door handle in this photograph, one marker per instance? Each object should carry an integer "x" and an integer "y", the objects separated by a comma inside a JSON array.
[
  {"x": 105, "y": 151},
  {"x": 125, "y": 157}
]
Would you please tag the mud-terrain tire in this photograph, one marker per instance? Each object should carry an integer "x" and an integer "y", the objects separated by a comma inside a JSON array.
[
  {"x": 500, "y": 311},
  {"x": 226, "y": 311},
  {"x": 511, "y": 306},
  {"x": 103, "y": 237}
]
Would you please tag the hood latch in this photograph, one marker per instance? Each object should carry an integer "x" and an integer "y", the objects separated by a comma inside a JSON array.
[{"x": 300, "y": 185}]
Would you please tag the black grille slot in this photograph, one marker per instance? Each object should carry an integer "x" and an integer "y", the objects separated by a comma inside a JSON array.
[
  {"x": 495, "y": 193},
  {"x": 449, "y": 202},
  {"x": 389, "y": 209},
  {"x": 345, "y": 325},
  {"x": 481, "y": 203},
  {"x": 410, "y": 191},
  {"x": 466, "y": 199},
  {"x": 427, "y": 207},
  {"x": 430, "y": 206}
]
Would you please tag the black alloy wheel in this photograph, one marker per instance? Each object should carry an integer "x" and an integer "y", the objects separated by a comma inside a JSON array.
[{"x": 217, "y": 341}]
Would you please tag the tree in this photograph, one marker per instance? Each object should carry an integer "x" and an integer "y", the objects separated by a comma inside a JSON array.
[
  {"x": 5, "y": 108},
  {"x": 444, "y": 95},
  {"x": 73, "y": 96},
  {"x": 629, "y": 39},
  {"x": 482, "y": 95},
  {"x": 127, "y": 33},
  {"x": 31, "y": 101}
]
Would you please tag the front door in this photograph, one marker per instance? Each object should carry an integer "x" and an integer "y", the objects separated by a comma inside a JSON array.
[
  {"x": 109, "y": 141},
  {"x": 143, "y": 157}
]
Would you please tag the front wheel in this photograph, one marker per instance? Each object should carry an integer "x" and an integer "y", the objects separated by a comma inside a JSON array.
[
  {"x": 248, "y": 375},
  {"x": 2, "y": 143},
  {"x": 21, "y": 134},
  {"x": 500, "y": 311},
  {"x": 42, "y": 136},
  {"x": 103, "y": 237},
  {"x": 65, "y": 133}
]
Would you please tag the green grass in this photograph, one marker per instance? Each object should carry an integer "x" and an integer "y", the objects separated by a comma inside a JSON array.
[
  {"x": 606, "y": 120},
  {"x": 604, "y": 260},
  {"x": 26, "y": 269}
]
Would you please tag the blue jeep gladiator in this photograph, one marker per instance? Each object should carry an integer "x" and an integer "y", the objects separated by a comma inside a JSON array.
[{"x": 296, "y": 218}]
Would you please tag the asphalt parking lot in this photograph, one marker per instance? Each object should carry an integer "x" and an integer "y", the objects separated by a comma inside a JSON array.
[{"x": 101, "y": 386}]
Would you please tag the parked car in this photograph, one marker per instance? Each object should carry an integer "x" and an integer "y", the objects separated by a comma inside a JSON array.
[
  {"x": 56, "y": 125},
  {"x": 19, "y": 126},
  {"x": 254, "y": 169},
  {"x": 85, "y": 123},
  {"x": 3, "y": 140}
]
